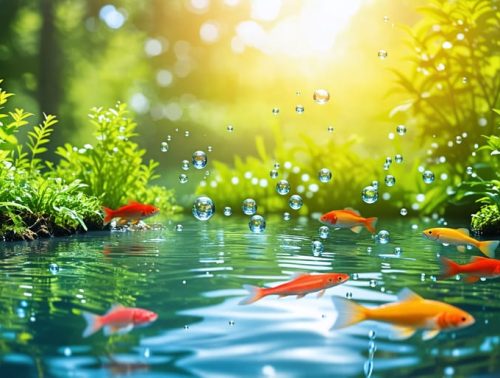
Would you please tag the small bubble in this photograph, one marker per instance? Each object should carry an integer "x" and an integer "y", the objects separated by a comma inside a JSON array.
[
  {"x": 373, "y": 283},
  {"x": 428, "y": 177},
  {"x": 295, "y": 202},
  {"x": 388, "y": 160},
  {"x": 372, "y": 335},
  {"x": 186, "y": 327},
  {"x": 184, "y": 282},
  {"x": 282, "y": 187},
  {"x": 369, "y": 194},
  {"x": 465, "y": 80},
  {"x": 398, "y": 251},
  {"x": 386, "y": 19},
  {"x": 231, "y": 323},
  {"x": 209, "y": 148},
  {"x": 403, "y": 212},
  {"x": 348, "y": 295},
  {"x": 185, "y": 165},
  {"x": 449, "y": 371},
  {"x": 164, "y": 147},
  {"x": 375, "y": 184},
  {"x": 230, "y": 128},
  {"x": 179, "y": 227},
  {"x": 286, "y": 216},
  {"x": 398, "y": 158},
  {"x": 276, "y": 111},
  {"x": 317, "y": 247},
  {"x": 468, "y": 170},
  {"x": 183, "y": 178},
  {"x": 324, "y": 175},
  {"x": 203, "y": 208},
  {"x": 228, "y": 211},
  {"x": 54, "y": 268},
  {"x": 276, "y": 165},
  {"x": 321, "y": 96},
  {"x": 390, "y": 180},
  {"x": 147, "y": 353},
  {"x": 323, "y": 232},
  {"x": 169, "y": 138},
  {"x": 355, "y": 276},
  {"x": 67, "y": 351},
  {"x": 249, "y": 206},
  {"x": 257, "y": 224},
  {"x": 383, "y": 237},
  {"x": 199, "y": 159},
  {"x": 382, "y": 54},
  {"x": 273, "y": 173},
  {"x": 458, "y": 139},
  {"x": 299, "y": 109},
  {"x": 186, "y": 133},
  {"x": 401, "y": 129},
  {"x": 422, "y": 277},
  {"x": 447, "y": 45},
  {"x": 330, "y": 129}
]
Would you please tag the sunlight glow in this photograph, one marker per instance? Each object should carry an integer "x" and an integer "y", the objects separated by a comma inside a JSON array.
[{"x": 265, "y": 10}]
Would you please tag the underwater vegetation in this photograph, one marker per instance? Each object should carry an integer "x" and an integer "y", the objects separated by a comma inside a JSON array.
[{"x": 40, "y": 198}]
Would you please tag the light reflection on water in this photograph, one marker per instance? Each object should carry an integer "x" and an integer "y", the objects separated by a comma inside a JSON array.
[{"x": 193, "y": 279}]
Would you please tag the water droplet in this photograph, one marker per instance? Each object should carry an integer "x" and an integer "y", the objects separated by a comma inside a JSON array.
[
  {"x": 179, "y": 227},
  {"x": 482, "y": 121},
  {"x": 375, "y": 184},
  {"x": 317, "y": 247},
  {"x": 386, "y": 166},
  {"x": 330, "y": 129},
  {"x": 299, "y": 109},
  {"x": 295, "y": 202},
  {"x": 373, "y": 283},
  {"x": 458, "y": 139},
  {"x": 276, "y": 111},
  {"x": 276, "y": 165},
  {"x": 372, "y": 335},
  {"x": 469, "y": 170},
  {"x": 228, "y": 211},
  {"x": 231, "y": 323},
  {"x": 210, "y": 149},
  {"x": 186, "y": 133},
  {"x": 257, "y": 224},
  {"x": 403, "y": 212},
  {"x": 186, "y": 327},
  {"x": 382, "y": 54},
  {"x": 398, "y": 158},
  {"x": 449, "y": 371},
  {"x": 184, "y": 282},
  {"x": 355, "y": 276},
  {"x": 164, "y": 147},
  {"x": 185, "y": 165},
  {"x": 401, "y": 129},
  {"x": 348, "y": 295},
  {"x": 230, "y": 128},
  {"x": 398, "y": 251},
  {"x": 390, "y": 180},
  {"x": 323, "y": 232},
  {"x": 273, "y": 173},
  {"x": 249, "y": 206},
  {"x": 321, "y": 96},
  {"x": 54, "y": 268},
  {"x": 383, "y": 237},
  {"x": 147, "y": 353},
  {"x": 428, "y": 177},
  {"x": 386, "y": 19},
  {"x": 282, "y": 187},
  {"x": 203, "y": 208},
  {"x": 369, "y": 194},
  {"x": 169, "y": 138},
  {"x": 183, "y": 178},
  {"x": 199, "y": 159},
  {"x": 324, "y": 175},
  {"x": 286, "y": 216},
  {"x": 67, "y": 351},
  {"x": 465, "y": 80}
]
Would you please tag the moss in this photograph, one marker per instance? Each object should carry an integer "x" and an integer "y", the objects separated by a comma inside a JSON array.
[{"x": 486, "y": 221}]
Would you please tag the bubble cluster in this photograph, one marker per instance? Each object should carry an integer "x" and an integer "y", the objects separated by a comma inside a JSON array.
[
  {"x": 282, "y": 187},
  {"x": 321, "y": 96},
  {"x": 203, "y": 208},
  {"x": 369, "y": 194},
  {"x": 199, "y": 159},
  {"x": 257, "y": 224},
  {"x": 295, "y": 202},
  {"x": 249, "y": 206},
  {"x": 324, "y": 175}
]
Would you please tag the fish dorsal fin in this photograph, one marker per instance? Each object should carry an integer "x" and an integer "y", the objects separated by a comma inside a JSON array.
[
  {"x": 430, "y": 334},
  {"x": 463, "y": 231},
  {"x": 133, "y": 202},
  {"x": 350, "y": 210},
  {"x": 114, "y": 307},
  {"x": 406, "y": 295},
  {"x": 402, "y": 333}
]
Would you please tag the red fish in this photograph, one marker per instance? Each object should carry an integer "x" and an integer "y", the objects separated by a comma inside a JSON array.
[
  {"x": 478, "y": 267},
  {"x": 348, "y": 218},
  {"x": 133, "y": 211},
  {"x": 118, "y": 319},
  {"x": 300, "y": 286}
]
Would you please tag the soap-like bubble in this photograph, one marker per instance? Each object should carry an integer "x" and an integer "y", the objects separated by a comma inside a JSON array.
[
  {"x": 199, "y": 159},
  {"x": 295, "y": 202},
  {"x": 257, "y": 224},
  {"x": 203, "y": 208},
  {"x": 321, "y": 96},
  {"x": 249, "y": 206},
  {"x": 369, "y": 194}
]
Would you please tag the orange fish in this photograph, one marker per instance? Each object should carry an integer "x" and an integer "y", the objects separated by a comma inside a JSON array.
[
  {"x": 348, "y": 218},
  {"x": 460, "y": 237},
  {"x": 478, "y": 267},
  {"x": 118, "y": 319},
  {"x": 132, "y": 212},
  {"x": 302, "y": 284},
  {"x": 410, "y": 314}
]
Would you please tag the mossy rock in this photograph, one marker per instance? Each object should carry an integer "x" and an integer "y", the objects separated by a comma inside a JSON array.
[{"x": 486, "y": 221}]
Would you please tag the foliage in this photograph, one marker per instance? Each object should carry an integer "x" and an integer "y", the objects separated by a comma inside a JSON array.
[
  {"x": 486, "y": 221},
  {"x": 113, "y": 169},
  {"x": 453, "y": 86}
]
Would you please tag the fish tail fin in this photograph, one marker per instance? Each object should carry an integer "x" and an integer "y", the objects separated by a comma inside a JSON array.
[
  {"x": 488, "y": 247},
  {"x": 93, "y": 323},
  {"x": 108, "y": 215},
  {"x": 348, "y": 312},
  {"x": 448, "y": 268},
  {"x": 370, "y": 224},
  {"x": 255, "y": 293}
]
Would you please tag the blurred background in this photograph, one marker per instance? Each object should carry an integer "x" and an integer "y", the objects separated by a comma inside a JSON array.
[{"x": 190, "y": 68}]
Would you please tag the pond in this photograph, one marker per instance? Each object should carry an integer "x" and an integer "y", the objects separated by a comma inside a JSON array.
[{"x": 193, "y": 279}]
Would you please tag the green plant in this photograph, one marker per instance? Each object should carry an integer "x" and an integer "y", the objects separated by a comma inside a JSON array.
[{"x": 113, "y": 169}]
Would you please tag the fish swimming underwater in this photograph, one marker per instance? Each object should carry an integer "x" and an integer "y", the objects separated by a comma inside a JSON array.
[
  {"x": 118, "y": 319},
  {"x": 477, "y": 268},
  {"x": 132, "y": 212},
  {"x": 300, "y": 286},
  {"x": 410, "y": 314},
  {"x": 460, "y": 237},
  {"x": 348, "y": 218}
]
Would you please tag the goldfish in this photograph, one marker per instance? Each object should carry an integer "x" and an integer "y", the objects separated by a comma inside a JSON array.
[
  {"x": 348, "y": 218},
  {"x": 460, "y": 237},
  {"x": 300, "y": 285},
  {"x": 133, "y": 211},
  {"x": 409, "y": 314},
  {"x": 118, "y": 319},
  {"x": 478, "y": 267}
]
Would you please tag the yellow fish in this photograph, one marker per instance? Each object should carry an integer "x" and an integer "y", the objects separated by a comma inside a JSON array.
[
  {"x": 460, "y": 237},
  {"x": 410, "y": 314}
]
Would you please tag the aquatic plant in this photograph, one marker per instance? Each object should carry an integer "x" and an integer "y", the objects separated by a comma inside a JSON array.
[
  {"x": 452, "y": 88},
  {"x": 113, "y": 168}
]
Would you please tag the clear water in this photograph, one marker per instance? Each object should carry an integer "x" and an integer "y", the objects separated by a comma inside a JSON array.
[{"x": 193, "y": 279}]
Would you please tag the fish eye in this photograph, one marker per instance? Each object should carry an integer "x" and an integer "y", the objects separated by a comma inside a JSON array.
[
  {"x": 463, "y": 318},
  {"x": 430, "y": 232},
  {"x": 340, "y": 278},
  {"x": 330, "y": 280}
]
